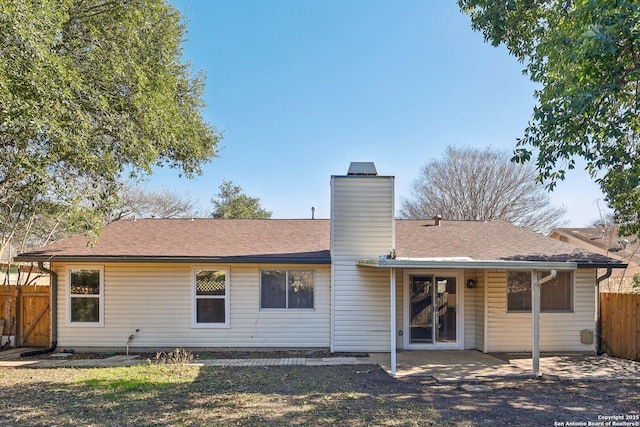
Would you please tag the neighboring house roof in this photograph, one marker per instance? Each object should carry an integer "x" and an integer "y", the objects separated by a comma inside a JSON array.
[
  {"x": 306, "y": 241},
  {"x": 605, "y": 241}
]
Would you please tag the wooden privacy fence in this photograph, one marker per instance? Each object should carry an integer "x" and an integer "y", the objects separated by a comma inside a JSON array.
[
  {"x": 26, "y": 314},
  {"x": 620, "y": 325}
]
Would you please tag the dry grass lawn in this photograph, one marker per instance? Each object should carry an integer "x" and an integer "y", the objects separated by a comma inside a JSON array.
[{"x": 151, "y": 394}]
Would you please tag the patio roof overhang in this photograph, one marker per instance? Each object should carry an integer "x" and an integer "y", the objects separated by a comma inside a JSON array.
[
  {"x": 469, "y": 263},
  {"x": 464, "y": 263}
]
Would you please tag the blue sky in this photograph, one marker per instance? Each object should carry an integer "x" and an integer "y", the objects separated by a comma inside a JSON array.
[{"x": 302, "y": 88}]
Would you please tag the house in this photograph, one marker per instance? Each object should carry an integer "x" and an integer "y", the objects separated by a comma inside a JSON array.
[
  {"x": 606, "y": 241},
  {"x": 361, "y": 281}
]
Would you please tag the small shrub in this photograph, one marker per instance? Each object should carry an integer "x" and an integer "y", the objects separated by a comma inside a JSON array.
[
  {"x": 178, "y": 356},
  {"x": 636, "y": 284}
]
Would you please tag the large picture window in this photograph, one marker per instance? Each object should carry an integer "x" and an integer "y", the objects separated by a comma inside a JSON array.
[
  {"x": 86, "y": 296},
  {"x": 555, "y": 295},
  {"x": 292, "y": 289},
  {"x": 211, "y": 297}
]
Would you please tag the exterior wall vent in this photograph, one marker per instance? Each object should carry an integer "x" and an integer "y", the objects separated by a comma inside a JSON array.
[{"x": 362, "y": 168}]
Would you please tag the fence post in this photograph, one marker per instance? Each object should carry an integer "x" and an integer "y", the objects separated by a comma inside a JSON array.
[{"x": 18, "y": 318}]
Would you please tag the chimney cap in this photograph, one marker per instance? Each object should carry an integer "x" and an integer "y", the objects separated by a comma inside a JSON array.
[{"x": 362, "y": 168}]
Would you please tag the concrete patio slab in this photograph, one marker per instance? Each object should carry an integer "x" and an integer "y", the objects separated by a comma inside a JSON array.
[
  {"x": 471, "y": 365},
  {"x": 453, "y": 365}
]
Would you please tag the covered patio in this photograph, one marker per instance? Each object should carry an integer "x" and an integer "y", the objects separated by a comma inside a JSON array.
[
  {"x": 472, "y": 365},
  {"x": 548, "y": 268}
]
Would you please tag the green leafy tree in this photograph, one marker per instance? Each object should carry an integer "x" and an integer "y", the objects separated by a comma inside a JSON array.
[
  {"x": 476, "y": 185},
  {"x": 585, "y": 54},
  {"x": 231, "y": 202},
  {"x": 91, "y": 91}
]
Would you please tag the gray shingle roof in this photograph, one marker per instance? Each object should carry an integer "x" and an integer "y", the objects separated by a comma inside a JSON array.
[
  {"x": 605, "y": 241},
  {"x": 235, "y": 240},
  {"x": 486, "y": 240},
  {"x": 306, "y": 241}
]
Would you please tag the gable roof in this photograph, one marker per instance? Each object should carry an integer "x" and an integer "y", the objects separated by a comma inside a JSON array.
[{"x": 306, "y": 241}]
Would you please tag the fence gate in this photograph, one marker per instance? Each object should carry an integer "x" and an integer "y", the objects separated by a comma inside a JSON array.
[{"x": 27, "y": 314}]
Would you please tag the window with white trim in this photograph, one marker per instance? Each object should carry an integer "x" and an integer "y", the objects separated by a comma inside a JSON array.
[
  {"x": 85, "y": 296},
  {"x": 211, "y": 298},
  {"x": 289, "y": 289},
  {"x": 555, "y": 295}
]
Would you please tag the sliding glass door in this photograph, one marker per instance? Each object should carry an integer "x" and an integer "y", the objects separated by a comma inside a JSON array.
[{"x": 432, "y": 309}]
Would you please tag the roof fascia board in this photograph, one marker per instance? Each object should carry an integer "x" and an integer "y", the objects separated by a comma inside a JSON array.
[
  {"x": 603, "y": 265},
  {"x": 158, "y": 259},
  {"x": 466, "y": 264}
]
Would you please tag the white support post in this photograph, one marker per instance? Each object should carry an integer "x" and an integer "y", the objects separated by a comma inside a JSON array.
[
  {"x": 393, "y": 320},
  {"x": 536, "y": 285},
  {"x": 535, "y": 327}
]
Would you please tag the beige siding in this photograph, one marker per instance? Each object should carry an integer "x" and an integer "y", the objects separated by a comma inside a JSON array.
[
  {"x": 156, "y": 299},
  {"x": 558, "y": 331},
  {"x": 480, "y": 303},
  {"x": 399, "y": 308},
  {"x": 362, "y": 226},
  {"x": 473, "y": 310}
]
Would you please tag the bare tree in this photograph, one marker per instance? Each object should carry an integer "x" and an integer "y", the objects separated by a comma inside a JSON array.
[
  {"x": 138, "y": 201},
  {"x": 473, "y": 184},
  {"x": 607, "y": 221},
  {"x": 625, "y": 248}
]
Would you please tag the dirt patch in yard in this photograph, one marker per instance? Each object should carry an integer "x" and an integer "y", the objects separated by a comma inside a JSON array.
[
  {"x": 208, "y": 355},
  {"x": 151, "y": 394},
  {"x": 529, "y": 402}
]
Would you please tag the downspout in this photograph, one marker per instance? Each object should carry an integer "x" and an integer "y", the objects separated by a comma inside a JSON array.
[
  {"x": 392, "y": 322},
  {"x": 535, "y": 316},
  {"x": 54, "y": 314},
  {"x": 605, "y": 276}
]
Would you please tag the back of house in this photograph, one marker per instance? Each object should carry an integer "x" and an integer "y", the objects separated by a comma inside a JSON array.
[{"x": 361, "y": 281}]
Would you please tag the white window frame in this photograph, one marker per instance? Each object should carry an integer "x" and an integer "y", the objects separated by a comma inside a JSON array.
[
  {"x": 460, "y": 290},
  {"x": 100, "y": 296},
  {"x": 226, "y": 297},
  {"x": 286, "y": 307}
]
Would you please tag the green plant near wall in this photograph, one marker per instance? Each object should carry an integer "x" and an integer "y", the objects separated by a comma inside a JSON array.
[{"x": 636, "y": 283}]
